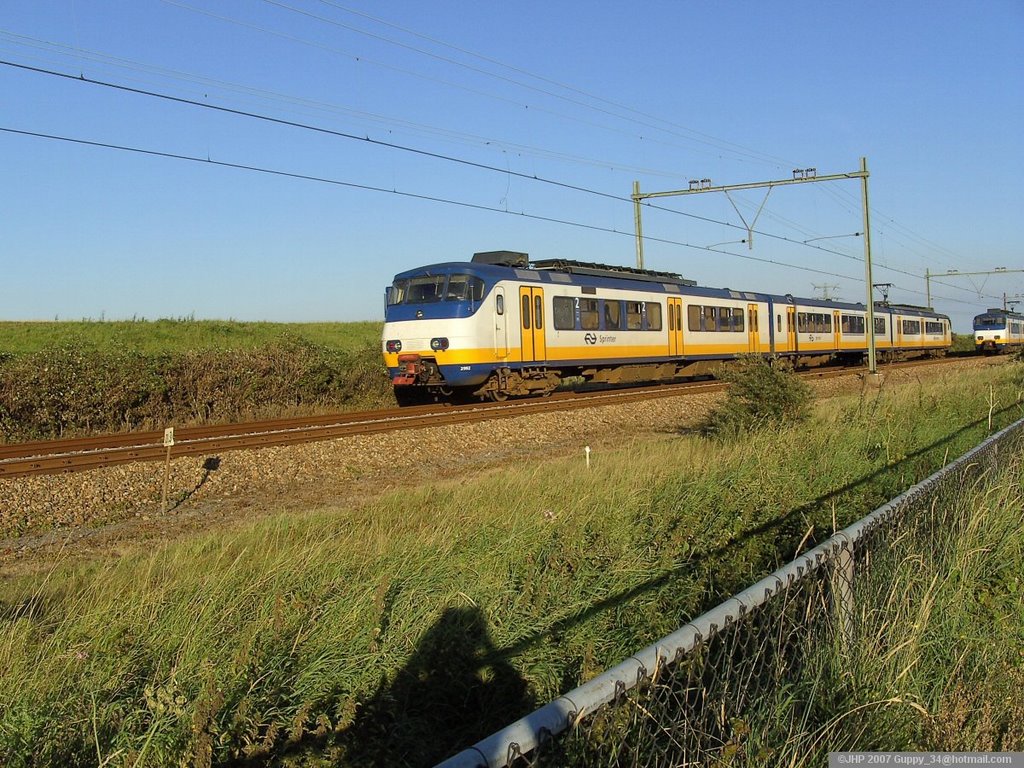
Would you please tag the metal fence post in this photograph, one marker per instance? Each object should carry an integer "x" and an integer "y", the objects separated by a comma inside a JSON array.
[{"x": 842, "y": 588}]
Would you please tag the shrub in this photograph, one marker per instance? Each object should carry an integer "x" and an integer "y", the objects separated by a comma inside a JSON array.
[
  {"x": 761, "y": 393},
  {"x": 72, "y": 390}
]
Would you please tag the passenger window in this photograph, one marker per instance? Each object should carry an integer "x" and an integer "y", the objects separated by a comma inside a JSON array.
[
  {"x": 737, "y": 320},
  {"x": 563, "y": 313},
  {"x": 526, "y": 311},
  {"x": 634, "y": 317},
  {"x": 538, "y": 314},
  {"x": 710, "y": 318},
  {"x": 693, "y": 316},
  {"x": 590, "y": 320},
  {"x": 654, "y": 316},
  {"x": 612, "y": 315}
]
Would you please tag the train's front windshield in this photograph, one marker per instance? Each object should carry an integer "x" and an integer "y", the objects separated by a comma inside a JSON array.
[
  {"x": 433, "y": 288},
  {"x": 989, "y": 321}
]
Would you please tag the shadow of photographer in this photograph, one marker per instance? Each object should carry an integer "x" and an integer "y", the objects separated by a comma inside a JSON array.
[{"x": 453, "y": 691}]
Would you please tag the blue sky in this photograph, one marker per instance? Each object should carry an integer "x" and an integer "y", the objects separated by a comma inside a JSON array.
[{"x": 593, "y": 95}]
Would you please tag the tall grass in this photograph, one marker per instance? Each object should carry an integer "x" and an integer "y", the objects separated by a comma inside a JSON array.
[
  {"x": 396, "y": 632},
  {"x": 936, "y": 658}
]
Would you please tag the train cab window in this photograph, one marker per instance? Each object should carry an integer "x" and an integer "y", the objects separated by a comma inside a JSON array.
[
  {"x": 634, "y": 316},
  {"x": 464, "y": 288},
  {"x": 425, "y": 290},
  {"x": 653, "y": 310},
  {"x": 590, "y": 320},
  {"x": 612, "y": 315},
  {"x": 563, "y": 313},
  {"x": 526, "y": 311},
  {"x": 398, "y": 291}
]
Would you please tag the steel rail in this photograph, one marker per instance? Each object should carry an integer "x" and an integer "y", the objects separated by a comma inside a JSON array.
[
  {"x": 85, "y": 453},
  {"x": 79, "y": 454}
]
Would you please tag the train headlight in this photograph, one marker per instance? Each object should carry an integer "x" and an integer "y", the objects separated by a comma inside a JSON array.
[
  {"x": 393, "y": 345},
  {"x": 439, "y": 344}
]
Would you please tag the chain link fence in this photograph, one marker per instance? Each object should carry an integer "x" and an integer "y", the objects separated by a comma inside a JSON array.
[{"x": 760, "y": 677}]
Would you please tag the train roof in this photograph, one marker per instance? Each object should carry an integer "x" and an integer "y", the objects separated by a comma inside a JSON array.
[
  {"x": 492, "y": 269},
  {"x": 1001, "y": 311}
]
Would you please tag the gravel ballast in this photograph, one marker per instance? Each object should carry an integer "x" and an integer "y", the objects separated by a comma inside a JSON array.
[{"x": 107, "y": 510}]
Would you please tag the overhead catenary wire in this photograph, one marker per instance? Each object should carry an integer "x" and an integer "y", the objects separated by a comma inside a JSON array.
[
  {"x": 413, "y": 195},
  {"x": 421, "y": 75},
  {"x": 483, "y": 166},
  {"x": 462, "y": 161},
  {"x": 306, "y": 105},
  {"x": 835, "y": 193},
  {"x": 703, "y": 138},
  {"x": 505, "y": 171},
  {"x": 401, "y": 193}
]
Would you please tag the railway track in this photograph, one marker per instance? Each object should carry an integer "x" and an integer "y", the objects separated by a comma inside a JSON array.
[{"x": 85, "y": 453}]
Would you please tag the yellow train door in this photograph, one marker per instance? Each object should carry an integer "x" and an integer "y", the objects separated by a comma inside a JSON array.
[
  {"x": 675, "y": 326},
  {"x": 531, "y": 308},
  {"x": 837, "y": 329},
  {"x": 791, "y": 329},
  {"x": 753, "y": 332}
]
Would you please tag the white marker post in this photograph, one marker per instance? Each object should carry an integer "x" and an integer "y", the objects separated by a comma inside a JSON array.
[
  {"x": 168, "y": 444},
  {"x": 586, "y": 450}
]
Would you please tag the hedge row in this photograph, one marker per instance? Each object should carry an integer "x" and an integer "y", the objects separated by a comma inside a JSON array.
[{"x": 65, "y": 391}]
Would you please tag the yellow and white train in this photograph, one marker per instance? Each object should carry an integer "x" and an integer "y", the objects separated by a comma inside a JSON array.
[
  {"x": 502, "y": 326},
  {"x": 998, "y": 330}
]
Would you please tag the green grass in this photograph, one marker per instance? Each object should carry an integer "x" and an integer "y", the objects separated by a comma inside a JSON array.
[
  {"x": 397, "y": 632},
  {"x": 179, "y": 335},
  {"x": 936, "y": 659}
]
